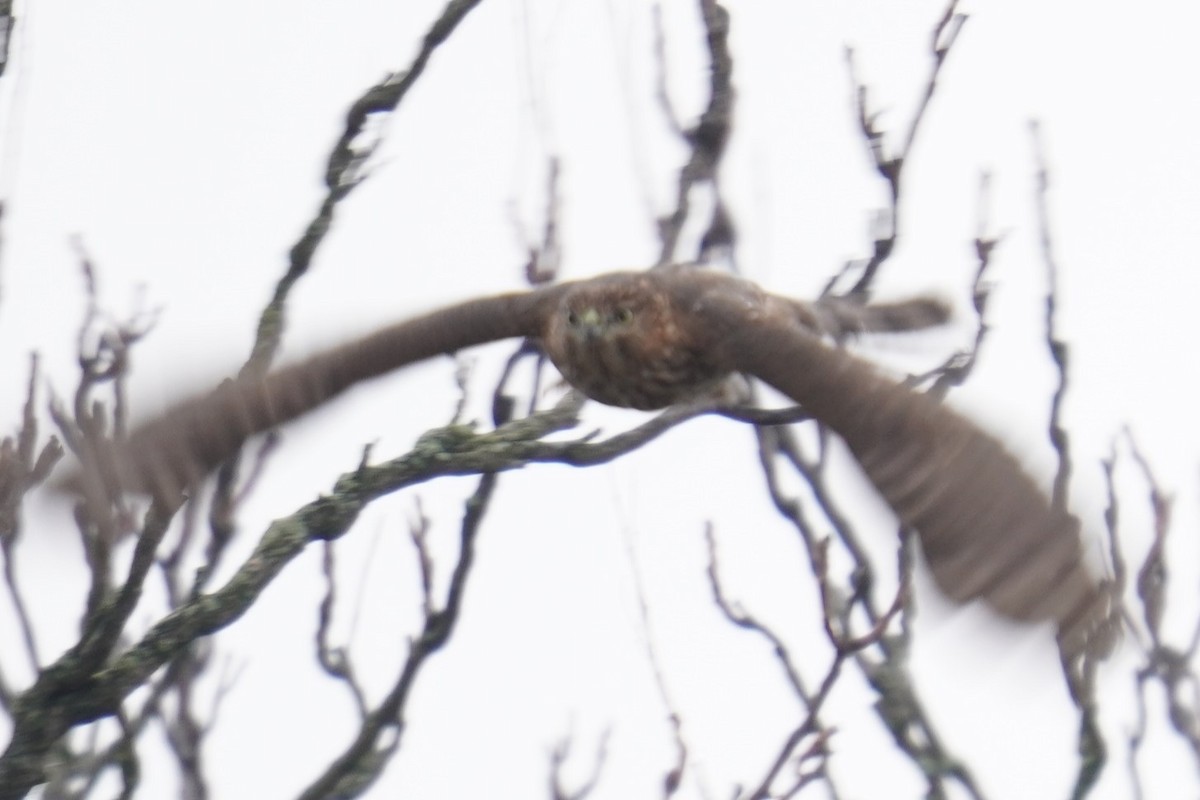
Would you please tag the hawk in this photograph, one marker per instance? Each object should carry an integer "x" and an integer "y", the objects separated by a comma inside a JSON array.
[{"x": 650, "y": 339}]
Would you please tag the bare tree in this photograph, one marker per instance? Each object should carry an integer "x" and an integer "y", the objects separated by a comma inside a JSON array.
[{"x": 88, "y": 713}]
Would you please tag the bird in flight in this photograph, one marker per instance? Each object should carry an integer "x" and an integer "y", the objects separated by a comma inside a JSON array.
[{"x": 651, "y": 339}]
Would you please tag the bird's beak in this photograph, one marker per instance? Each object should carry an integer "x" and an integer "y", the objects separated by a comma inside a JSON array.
[{"x": 591, "y": 323}]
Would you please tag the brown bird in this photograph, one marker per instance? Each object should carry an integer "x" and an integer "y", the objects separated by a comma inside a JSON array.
[{"x": 650, "y": 339}]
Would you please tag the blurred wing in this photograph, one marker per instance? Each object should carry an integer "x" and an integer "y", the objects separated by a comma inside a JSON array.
[
  {"x": 169, "y": 453},
  {"x": 985, "y": 528},
  {"x": 841, "y": 316}
]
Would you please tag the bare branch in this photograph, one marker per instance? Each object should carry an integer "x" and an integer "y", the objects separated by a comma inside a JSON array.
[
  {"x": 559, "y": 756},
  {"x": 805, "y": 730},
  {"x": 706, "y": 141},
  {"x": 20, "y": 470},
  {"x": 343, "y": 174},
  {"x": 335, "y": 661},
  {"x": 674, "y": 777},
  {"x": 812, "y": 703},
  {"x": 363, "y": 761},
  {"x": 1057, "y": 347},
  {"x": 886, "y": 225}
]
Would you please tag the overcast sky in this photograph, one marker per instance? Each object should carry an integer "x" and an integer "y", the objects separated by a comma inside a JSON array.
[{"x": 185, "y": 147}]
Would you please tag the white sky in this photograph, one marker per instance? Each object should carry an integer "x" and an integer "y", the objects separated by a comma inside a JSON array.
[{"x": 186, "y": 147}]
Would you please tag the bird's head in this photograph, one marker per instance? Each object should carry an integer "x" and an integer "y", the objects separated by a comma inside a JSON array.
[
  {"x": 620, "y": 340},
  {"x": 588, "y": 321},
  {"x": 599, "y": 314}
]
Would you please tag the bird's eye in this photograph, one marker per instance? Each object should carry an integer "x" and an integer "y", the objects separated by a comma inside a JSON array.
[
  {"x": 623, "y": 315},
  {"x": 572, "y": 319}
]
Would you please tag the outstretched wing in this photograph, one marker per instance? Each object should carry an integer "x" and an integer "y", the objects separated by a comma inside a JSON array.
[
  {"x": 165, "y": 455},
  {"x": 985, "y": 528},
  {"x": 841, "y": 317}
]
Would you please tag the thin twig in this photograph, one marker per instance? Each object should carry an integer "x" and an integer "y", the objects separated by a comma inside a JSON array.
[
  {"x": 1057, "y": 348},
  {"x": 886, "y": 225},
  {"x": 706, "y": 140},
  {"x": 363, "y": 761},
  {"x": 674, "y": 776},
  {"x": 559, "y": 756}
]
